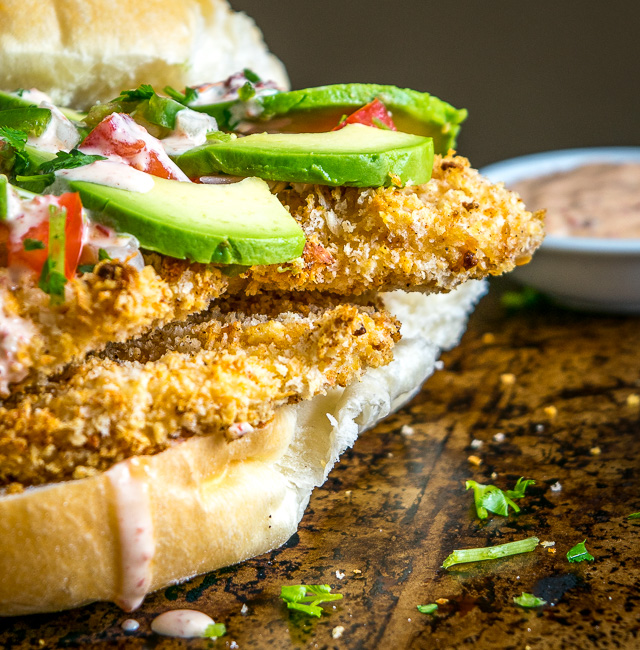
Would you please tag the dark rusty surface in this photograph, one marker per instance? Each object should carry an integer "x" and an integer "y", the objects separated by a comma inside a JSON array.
[{"x": 395, "y": 507}]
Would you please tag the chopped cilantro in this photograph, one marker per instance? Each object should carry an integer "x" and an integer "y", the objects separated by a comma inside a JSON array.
[
  {"x": 215, "y": 630},
  {"x": 523, "y": 299},
  {"x": 296, "y": 597},
  {"x": 251, "y": 76},
  {"x": 427, "y": 609},
  {"x": 17, "y": 140},
  {"x": 489, "y": 498},
  {"x": 52, "y": 281},
  {"x": 579, "y": 553},
  {"x": 103, "y": 255},
  {"x": 86, "y": 268},
  {"x": 490, "y": 552},
  {"x": 528, "y": 600},
  {"x": 187, "y": 97},
  {"x": 143, "y": 91},
  {"x": 378, "y": 123},
  {"x": 33, "y": 245},
  {"x": 635, "y": 515},
  {"x": 246, "y": 92},
  {"x": 70, "y": 160}
]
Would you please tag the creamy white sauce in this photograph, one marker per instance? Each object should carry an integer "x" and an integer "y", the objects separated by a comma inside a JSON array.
[
  {"x": 121, "y": 247},
  {"x": 183, "y": 623},
  {"x": 112, "y": 173},
  {"x": 25, "y": 215},
  {"x": 60, "y": 134},
  {"x": 135, "y": 525},
  {"x": 15, "y": 332},
  {"x": 191, "y": 131},
  {"x": 34, "y": 95},
  {"x": 240, "y": 429}
]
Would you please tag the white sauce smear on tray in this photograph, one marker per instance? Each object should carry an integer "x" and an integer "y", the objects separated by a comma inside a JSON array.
[{"x": 183, "y": 623}]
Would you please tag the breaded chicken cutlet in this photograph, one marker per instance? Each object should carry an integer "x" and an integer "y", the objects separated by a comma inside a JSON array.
[
  {"x": 431, "y": 237},
  {"x": 220, "y": 375}
]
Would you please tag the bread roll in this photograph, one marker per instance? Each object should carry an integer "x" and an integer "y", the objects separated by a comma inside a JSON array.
[
  {"x": 81, "y": 52},
  {"x": 206, "y": 503}
]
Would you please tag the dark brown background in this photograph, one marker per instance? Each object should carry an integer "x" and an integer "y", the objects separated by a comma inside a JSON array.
[{"x": 534, "y": 75}]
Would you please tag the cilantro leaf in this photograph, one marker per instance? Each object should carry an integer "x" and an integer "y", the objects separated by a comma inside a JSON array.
[
  {"x": 70, "y": 160},
  {"x": 52, "y": 281},
  {"x": 251, "y": 76},
  {"x": 635, "y": 515},
  {"x": 427, "y": 609},
  {"x": 187, "y": 97},
  {"x": 143, "y": 91},
  {"x": 16, "y": 138},
  {"x": 297, "y": 598},
  {"x": 579, "y": 553},
  {"x": 246, "y": 92},
  {"x": 519, "y": 488},
  {"x": 528, "y": 600},
  {"x": 33, "y": 244},
  {"x": 489, "y": 498},
  {"x": 103, "y": 255},
  {"x": 215, "y": 630},
  {"x": 86, "y": 268}
]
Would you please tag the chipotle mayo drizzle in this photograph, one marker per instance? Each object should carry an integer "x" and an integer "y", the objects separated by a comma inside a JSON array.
[
  {"x": 111, "y": 173},
  {"x": 595, "y": 200},
  {"x": 135, "y": 526}
]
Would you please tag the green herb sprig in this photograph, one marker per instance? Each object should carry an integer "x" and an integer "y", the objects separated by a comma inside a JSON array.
[
  {"x": 215, "y": 630},
  {"x": 528, "y": 600},
  {"x": 489, "y": 498},
  {"x": 579, "y": 553},
  {"x": 427, "y": 609},
  {"x": 308, "y": 598}
]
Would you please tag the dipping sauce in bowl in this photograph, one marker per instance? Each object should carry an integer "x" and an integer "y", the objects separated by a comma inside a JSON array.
[
  {"x": 590, "y": 258},
  {"x": 592, "y": 200}
]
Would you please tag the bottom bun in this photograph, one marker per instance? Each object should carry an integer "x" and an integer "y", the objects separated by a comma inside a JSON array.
[{"x": 152, "y": 521}]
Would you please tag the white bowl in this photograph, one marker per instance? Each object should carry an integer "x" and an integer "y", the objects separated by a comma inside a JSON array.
[{"x": 587, "y": 273}]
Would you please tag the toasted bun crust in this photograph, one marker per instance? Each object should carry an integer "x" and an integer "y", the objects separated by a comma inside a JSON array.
[
  {"x": 80, "y": 52},
  {"x": 207, "y": 502}
]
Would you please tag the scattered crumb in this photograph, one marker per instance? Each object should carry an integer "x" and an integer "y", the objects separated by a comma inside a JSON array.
[
  {"x": 357, "y": 571},
  {"x": 539, "y": 428},
  {"x": 389, "y": 454},
  {"x": 233, "y": 645},
  {"x": 244, "y": 610},
  {"x": 595, "y": 451},
  {"x": 488, "y": 338},
  {"x": 551, "y": 550},
  {"x": 556, "y": 487},
  {"x": 340, "y": 574},
  {"x": 475, "y": 460},
  {"x": 347, "y": 493},
  {"x": 439, "y": 364},
  {"x": 476, "y": 444},
  {"x": 499, "y": 437},
  {"x": 409, "y": 620},
  {"x": 42, "y": 643},
  {"x": 407, "y": 430},
  {"x": 633, "y": 400},
  {"x": 442, "y": 601},
  {"x": 507, "y": 379},
  {"x": 550, "y": 411},
  {"x": 494, "y": 475},
  {"x": 337, "y": 631},
  {"x": 547, "y": 544}
]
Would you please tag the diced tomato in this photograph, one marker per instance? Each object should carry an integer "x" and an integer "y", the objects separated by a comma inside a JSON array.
[
  {"x": 38, "y": 215},
  {"x": 120, "y": 135},
  {"x": 374, "y": 113}
]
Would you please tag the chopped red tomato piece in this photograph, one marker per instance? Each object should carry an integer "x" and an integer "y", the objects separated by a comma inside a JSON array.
[
  {"x": 29, "y": 233},
  {"x": 374, "y": 113},
  {"x": 120, "y": 135}
]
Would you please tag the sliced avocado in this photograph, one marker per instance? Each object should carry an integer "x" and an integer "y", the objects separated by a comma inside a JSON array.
[
  {"x": 31, "y": 120},
  {"x": 239, "y": 223},
  {"x": 357, "y": 156},
  {"x": 320, "y": 109},
  {"x": 13, "y": 100}
]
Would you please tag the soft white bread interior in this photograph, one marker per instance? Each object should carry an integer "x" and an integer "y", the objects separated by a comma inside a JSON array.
[
  {"x": 81, "y": 52},
  {"x": 207, "y": 503}
]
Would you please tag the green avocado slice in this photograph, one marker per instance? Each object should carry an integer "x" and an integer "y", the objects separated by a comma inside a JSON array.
[
  {"x": 13, "y": 100},
  {"x": 239, "y": 223},
  {"x": 31, "y": 120},
  {"x": 320, "y": 109},
  {"x": 356, "y": 156}
]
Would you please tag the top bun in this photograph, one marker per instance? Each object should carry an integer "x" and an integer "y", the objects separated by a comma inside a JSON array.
[{"x": 83, "y": 51}]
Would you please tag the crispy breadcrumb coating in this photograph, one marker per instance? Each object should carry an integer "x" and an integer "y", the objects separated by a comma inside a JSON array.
[
  {"x": 431, "y": 237},
  {"x": 114, "y": 303},
  {"x": 195, "y": 378}
]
